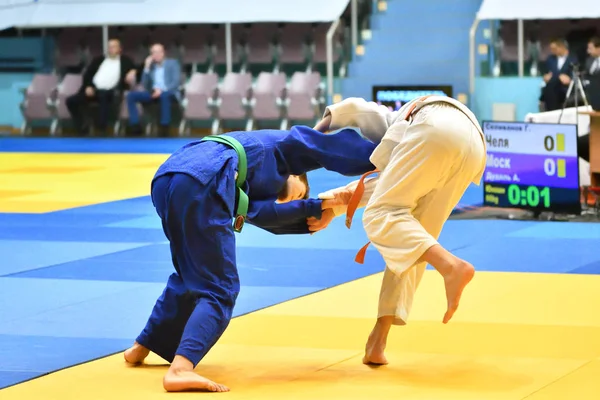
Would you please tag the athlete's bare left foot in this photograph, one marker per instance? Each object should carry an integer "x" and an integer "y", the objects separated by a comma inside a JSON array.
[
  {"x": 185, "y": 381},
  {"x": 455, "y": 282},
  {"x": 136, "y": 354}
]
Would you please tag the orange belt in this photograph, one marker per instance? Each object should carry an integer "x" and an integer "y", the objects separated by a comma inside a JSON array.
[{"x": 360, "y": 190}]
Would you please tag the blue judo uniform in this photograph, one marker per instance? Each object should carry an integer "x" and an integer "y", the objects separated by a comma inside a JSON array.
[{"x": 194, "y": 194}]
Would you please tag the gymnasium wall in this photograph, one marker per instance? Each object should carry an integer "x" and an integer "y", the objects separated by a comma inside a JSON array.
[
  {"x": 416, "y": 43},
  {"x": 524, "y": 93},
  {"x": 19, "y": 59},
  {"x": 11, "y": 84}
]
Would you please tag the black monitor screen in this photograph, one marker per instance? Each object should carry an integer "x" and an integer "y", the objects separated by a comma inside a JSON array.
[{"x": 395, "y": 97}]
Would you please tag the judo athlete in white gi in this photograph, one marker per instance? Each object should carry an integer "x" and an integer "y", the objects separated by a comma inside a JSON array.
[
  {"x": 197, "y": 193},
  {"x": 428, "y": 153}
]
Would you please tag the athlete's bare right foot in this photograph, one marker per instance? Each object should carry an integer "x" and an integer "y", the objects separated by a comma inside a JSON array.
[
  {"x": 375, "y": 355},
  {"x": 455, "y": 282},
  {"x": 375, "y": 347},
  {"x": 136, "y": 354},
  {"x": 184, "y": 381}
]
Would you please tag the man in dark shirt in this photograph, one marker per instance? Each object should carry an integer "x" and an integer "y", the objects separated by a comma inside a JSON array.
[
  {"x": 101, "y": 78},
  {"x": 559, "y": 72}
]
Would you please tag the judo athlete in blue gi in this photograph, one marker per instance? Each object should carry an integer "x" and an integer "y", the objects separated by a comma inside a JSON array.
[{"x": 197, "y": 193}]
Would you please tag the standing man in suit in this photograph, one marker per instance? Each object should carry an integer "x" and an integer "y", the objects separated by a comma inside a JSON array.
[
  {"x": 101, "y": 78},
  {"x": 559, "y": 67},
  {"x": 592, "y": 64},
  {"x": 161, "y": 79}
]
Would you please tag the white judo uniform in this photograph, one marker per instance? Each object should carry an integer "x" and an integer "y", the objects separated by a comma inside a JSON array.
[{"x": 428, "y": 153}]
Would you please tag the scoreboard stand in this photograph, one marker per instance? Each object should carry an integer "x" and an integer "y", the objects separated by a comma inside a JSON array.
[
  {"x": 594, "y": 191},
  {"x": 589, "y": 215}
]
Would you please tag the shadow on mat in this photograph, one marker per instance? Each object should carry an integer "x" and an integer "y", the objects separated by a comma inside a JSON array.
[
  {"x": 148, "y": 366},
  {"x": 462, "y": 375}
]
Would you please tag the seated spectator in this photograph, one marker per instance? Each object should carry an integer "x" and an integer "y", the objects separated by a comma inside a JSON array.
[
  {"x": 101, "y": 78},
  {"x": 592, "y": 64},
  {"x": 559, "y": 72},
  {"x": 161, "y": 79}
]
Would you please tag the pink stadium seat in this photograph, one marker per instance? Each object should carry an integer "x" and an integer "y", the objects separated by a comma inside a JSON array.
[
  {"x": 194, "y": 40},
  {"x": 134, "y": 41},
  {"x": 69, "y": 86},
  {"x": 320, "y": 37},
  {"x": 237, "y": 32},
  {"x": 69, "y": 48},
  {"x": 293, "y": 43},
  {"x": 199, "y": 92},
  {"x": 304, "y": 97},
  {"x": 233, "y": 96},
  {"x": 260, "y": 47},
  {"x": 37, "y": 98},
  {"x": 267, "y": 98}
]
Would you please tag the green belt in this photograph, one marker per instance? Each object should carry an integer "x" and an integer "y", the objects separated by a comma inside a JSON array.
[{"x": 242, "y": 197}]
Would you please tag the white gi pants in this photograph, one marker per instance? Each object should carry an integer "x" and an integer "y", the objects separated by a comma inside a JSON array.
[{"x": 428, "y": 172}]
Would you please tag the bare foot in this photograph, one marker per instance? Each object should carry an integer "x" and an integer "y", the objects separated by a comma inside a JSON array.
[
  {"x": 374, "y": 355},
  {"x": 455, "y": 283},
  {"x": 375, "y": 348},
  {"x": 136, "y": 354},
  {"x": 183, "y": 381}
]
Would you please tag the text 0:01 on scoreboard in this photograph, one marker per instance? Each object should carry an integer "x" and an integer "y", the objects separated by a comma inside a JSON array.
[{"x": 540, "y": 198}]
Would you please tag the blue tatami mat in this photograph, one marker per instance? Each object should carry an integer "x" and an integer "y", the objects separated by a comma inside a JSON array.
[
  {"x": 560, "y": 230},
  {"x": 23, "y": 255},
  {"x": 257, "y": 267},
  {"x": 8, "y": 377},
  {"x": 122, "y": 315},
  {"x": 18, "y": 366}
]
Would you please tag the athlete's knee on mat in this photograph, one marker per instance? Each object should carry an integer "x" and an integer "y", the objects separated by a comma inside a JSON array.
[{"x": 162, "y": 345}]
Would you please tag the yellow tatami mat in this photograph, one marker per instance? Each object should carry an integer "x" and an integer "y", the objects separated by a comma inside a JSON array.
[
  {"x": 516, "y": 336},
  {"x": 44, "y": 182}
]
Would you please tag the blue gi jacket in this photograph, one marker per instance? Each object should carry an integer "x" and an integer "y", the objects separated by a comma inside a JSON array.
[{"x": 274, "y": 155}]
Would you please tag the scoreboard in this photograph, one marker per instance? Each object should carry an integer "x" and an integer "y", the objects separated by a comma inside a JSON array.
[
  {"x": 394, "y": 97},
  {"x": 532, "y": 166}
]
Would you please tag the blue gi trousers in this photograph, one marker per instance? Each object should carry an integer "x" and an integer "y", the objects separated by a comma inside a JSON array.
[{"x": 196, "y": 306}]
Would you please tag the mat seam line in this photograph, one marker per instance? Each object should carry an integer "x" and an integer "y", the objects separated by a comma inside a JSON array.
[
  {"x": 339, "y": 362},
  {"x": 327, "y": 366},
  {"x": 558, "y": 379},
  {"x": 15, "y": 274}
]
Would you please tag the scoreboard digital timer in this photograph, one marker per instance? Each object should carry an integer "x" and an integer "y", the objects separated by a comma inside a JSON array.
[
  {"x": 394, "y": 97},
  {"x": 532, "y": 166}
]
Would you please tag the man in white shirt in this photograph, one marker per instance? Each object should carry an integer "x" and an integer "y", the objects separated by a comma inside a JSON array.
[
  {"x": 101, "y": 78},
  {"x": 559, "y": 72}
]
